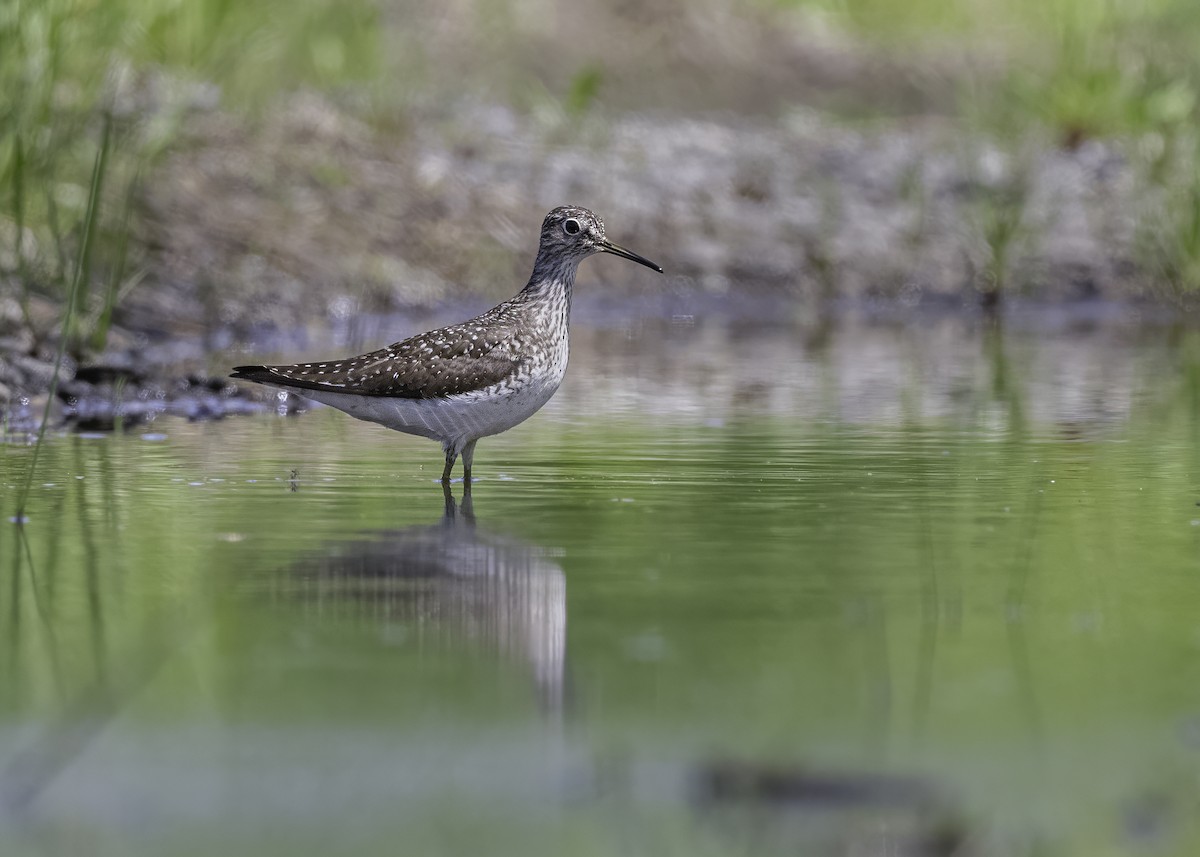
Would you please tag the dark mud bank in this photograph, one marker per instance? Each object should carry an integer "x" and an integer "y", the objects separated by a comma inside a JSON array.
[{"x": 103, "y": 398}]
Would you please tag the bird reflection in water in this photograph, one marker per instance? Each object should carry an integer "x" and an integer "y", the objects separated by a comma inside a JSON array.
[{"x": 450, "y": 582}]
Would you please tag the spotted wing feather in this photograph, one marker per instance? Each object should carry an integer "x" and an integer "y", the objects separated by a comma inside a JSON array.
[{"x": 445, "y": 362}]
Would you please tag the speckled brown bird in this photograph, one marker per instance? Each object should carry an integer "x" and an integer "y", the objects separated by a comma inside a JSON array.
[{"x": 470, "y": 380}]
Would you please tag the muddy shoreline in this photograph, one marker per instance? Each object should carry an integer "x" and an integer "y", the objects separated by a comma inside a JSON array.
[
  {"x": 313, "y": 213},
  {"x": 187, "y": 377},
  {"x": 259, "y": 237},
  {"x": 316, "y": 214}
]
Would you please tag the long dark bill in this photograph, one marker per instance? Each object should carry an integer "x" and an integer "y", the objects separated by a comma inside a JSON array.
[{"x": 618, "y": 250}]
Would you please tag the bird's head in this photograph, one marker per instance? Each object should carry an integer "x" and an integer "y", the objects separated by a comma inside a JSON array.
[{"x": 571, "y": 234}]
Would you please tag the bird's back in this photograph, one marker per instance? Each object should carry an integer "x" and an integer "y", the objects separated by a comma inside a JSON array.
[
  {"x": 448, "y": 361},
  {"x": 460, "y": 382}
]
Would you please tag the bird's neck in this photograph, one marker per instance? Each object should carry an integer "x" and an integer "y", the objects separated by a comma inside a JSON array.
[{"x": 552, "y": 282}]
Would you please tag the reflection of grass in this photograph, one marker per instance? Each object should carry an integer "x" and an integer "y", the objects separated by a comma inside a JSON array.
[{"x": 74, "y": 72}]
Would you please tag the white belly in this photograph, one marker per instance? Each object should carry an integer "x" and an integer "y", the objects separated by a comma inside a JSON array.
[{"x": 455, "y": 420}]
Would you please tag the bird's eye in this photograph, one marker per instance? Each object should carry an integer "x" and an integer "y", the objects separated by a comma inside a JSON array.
[{"x": 571, "y": 227}]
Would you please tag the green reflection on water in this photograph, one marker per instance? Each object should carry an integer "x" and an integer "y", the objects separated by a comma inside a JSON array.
[{"x": 995, "y": 605}]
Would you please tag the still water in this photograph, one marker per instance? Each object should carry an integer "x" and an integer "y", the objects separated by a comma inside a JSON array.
[{"x": 741, "y": 588}]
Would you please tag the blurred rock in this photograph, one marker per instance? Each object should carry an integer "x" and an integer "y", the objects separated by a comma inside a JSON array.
[
  {"x": 37, "y": 373},
  {"x": 263, "y": 227}
]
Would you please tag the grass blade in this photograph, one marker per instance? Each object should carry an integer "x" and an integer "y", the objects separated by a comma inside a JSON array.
[
  {"x": 18, "y": 191},
  {"x": 72, "y": 305},
  {"x": 117, "y": 274},
  {"x": 81, "y": 281}
]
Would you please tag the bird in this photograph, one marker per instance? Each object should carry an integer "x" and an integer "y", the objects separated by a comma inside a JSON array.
[{"x": 460, "y": 383}]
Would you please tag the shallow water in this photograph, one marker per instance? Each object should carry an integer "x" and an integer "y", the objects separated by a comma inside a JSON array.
[{"x": 741, "y": 588}]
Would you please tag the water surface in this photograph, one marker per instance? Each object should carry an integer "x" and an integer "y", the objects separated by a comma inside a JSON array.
[{"x": 741, "y": 588}]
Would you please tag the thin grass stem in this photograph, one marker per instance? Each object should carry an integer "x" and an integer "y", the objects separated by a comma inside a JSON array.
[
  {"x": 117, "y": 273},
  {"x": 18, "y": 189},
  {"x": 89, "y": 225}
]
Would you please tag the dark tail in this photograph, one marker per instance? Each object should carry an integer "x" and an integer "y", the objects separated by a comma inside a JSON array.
[
  {"x": 257, "y": 374},
  {"x": 264, "y": 375}
]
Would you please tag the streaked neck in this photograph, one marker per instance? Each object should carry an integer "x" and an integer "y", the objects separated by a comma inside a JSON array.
[{"x": 552, "y": 280}]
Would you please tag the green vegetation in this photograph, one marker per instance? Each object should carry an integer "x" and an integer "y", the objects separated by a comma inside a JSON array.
[
  {"x": 81, "y": 76},
  {"x": 999, "y": 216},
  {"x": 1086, "y": 68},
  {"x": 1060, "y": 71},
  {"x": 1075, "y": 70},
  {"x": 80, "y": 277}
]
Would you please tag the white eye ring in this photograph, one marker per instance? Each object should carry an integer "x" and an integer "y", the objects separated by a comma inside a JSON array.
[{"x": 571, "y": 226}]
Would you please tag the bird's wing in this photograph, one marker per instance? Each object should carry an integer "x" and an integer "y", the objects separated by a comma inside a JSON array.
[{"x": 444, "y": 362}]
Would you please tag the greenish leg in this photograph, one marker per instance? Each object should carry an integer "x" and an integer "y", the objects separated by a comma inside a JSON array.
[
  {"x": 468, "y": 455},
  {"x": 451, "y": 457}
]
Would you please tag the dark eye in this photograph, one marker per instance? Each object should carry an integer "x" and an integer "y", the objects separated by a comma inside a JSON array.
[{"x": 571, "y": 227}]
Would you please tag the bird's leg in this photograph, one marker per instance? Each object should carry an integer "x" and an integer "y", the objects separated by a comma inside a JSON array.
[
  {"x": 468, "y": 455},
  {"x": 451, "y": 457},
  {"x": 467, "y": 506}
]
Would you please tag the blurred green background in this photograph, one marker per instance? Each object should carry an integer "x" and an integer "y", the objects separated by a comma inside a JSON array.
[{"x": 138, "y": 81}]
